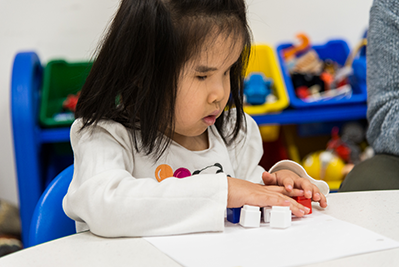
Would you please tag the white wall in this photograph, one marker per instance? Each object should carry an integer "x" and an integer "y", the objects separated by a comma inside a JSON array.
[
  {"x": 70, "y": 29},
  {"x": 277, "y": 21}
]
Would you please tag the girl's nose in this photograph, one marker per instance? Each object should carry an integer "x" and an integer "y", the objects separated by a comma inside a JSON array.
[{"x": 217, "y": 91}]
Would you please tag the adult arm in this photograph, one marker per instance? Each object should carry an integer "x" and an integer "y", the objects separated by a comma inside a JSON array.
[{"x": 383, "y": 77}]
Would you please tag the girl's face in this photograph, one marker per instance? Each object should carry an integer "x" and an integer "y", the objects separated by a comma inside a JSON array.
[{"x": 203, "y": 91}]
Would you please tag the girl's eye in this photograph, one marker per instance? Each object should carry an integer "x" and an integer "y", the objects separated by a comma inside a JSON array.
[{"x": 201, "y": 78}]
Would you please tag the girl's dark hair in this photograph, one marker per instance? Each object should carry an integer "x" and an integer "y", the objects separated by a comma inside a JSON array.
[{"x": 134, "y": 77}]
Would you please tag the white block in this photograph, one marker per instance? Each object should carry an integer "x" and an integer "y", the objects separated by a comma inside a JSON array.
[
  {"x": 280, "y": 217},
  {"x": 250, "y": 216},
  {"x": 266, "y": 214}
]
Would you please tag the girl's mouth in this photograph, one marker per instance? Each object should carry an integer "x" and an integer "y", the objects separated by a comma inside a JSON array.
[{"x": 209, "y": 120}]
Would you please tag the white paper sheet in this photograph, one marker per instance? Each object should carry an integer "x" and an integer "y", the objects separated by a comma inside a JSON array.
[{"x": 314, "y": 238}]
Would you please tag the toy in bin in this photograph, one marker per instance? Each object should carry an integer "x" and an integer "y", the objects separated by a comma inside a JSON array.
[
  {"x": 256, "y": 88},
  {"x": 68, "y": 108},
  {"x": 70, "y": 102},
  {"x": 314, "y": 79}
]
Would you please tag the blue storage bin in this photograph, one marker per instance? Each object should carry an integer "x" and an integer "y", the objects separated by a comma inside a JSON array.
[{"x": 338, "y": 51}]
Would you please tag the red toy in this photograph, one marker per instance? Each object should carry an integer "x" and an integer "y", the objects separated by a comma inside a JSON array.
[
  {"x": 70, "y": 102},
  {"x": 307, "y": 202}
]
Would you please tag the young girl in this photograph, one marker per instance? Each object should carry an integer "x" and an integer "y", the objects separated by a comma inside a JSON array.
[{"x": 161, "y": 143}]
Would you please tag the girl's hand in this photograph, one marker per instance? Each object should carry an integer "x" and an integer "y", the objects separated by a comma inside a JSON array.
[
  {"x": 241, "y": 192},
  {"x": 290, "y": 180}
]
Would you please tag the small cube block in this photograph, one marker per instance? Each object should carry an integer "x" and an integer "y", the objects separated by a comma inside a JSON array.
[
  {"x": 266, "y": 214},
  {"x": 280, "y": 217},
  {"x": 307, "y": 202},
  {"x": 233, "y": 215},
  {"x": 250, "y": 216}
]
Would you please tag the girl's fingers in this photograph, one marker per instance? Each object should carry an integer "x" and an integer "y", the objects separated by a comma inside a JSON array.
[
  {"x": 311, "y": 191},
  {"x": 296, "y": 208},
  {"x": 308, "y": 188},
  {"x": 274, "y": 197},
  {"x": 288, "y": 184},
  {"x": 269, "y": 178},
  {"x": 299, "y": 210},
  {"x": 282, "y": 190},
  {"x": 317, "y": 196},
  {"x": 241, "y": 192},
  {"x": 290, "y": 180},
  {"x": 322, "y": 201}
]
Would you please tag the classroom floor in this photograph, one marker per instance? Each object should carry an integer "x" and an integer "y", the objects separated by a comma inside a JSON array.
[{"x": 10, "y": 229}]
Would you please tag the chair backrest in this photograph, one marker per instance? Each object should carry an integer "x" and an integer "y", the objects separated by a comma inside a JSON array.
[{"x": 49, "y": 220}]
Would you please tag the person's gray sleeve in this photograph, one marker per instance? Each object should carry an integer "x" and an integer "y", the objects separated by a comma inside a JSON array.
[{"x": 383, "y": 77}]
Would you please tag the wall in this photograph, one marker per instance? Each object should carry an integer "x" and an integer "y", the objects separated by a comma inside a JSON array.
[
  {"x": 70, "y": 29},
  {"x": 277, "y": 21}
]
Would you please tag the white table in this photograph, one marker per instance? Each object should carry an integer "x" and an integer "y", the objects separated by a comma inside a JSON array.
[{"x": 377, "y": 211}]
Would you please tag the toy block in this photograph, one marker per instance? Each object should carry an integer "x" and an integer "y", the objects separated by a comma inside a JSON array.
[
  {"x": 250, "y": 216},
  {"x": 307, "y": 202},
  {"x": 266, "y": 214},
  {"x": 233, "y": 215},
  {"x": 280, "y": 217}
]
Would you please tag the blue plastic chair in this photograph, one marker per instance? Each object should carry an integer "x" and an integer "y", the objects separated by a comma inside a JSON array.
[{"x": 49, "y": 220}]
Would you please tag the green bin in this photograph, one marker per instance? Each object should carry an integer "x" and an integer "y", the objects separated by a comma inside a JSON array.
[{"x": 60, "y": 79}]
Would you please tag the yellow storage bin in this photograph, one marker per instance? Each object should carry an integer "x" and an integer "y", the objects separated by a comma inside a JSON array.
[{"x": 263, "y": 60}]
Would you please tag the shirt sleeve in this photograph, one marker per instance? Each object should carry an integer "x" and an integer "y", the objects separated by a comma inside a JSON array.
[
  {"x": 383, "y": 77},
  {"x": 106, "y": 197}
]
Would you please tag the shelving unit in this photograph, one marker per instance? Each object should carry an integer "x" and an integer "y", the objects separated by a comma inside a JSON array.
[
  {"x": 311, "y": 115},
  {"x": 33, "y": 166},
  {"x": 32, "y": 163}
]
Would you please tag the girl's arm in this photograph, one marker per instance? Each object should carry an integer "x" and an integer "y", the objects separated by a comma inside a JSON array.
[{"x": 105, "y": 198}]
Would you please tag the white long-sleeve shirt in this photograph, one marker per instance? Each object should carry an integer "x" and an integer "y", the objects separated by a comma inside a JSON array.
[{"x": 115, "y": 190}]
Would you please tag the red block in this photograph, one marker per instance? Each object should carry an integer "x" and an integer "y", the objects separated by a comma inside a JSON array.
[{"x": 307, "y": 202}]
